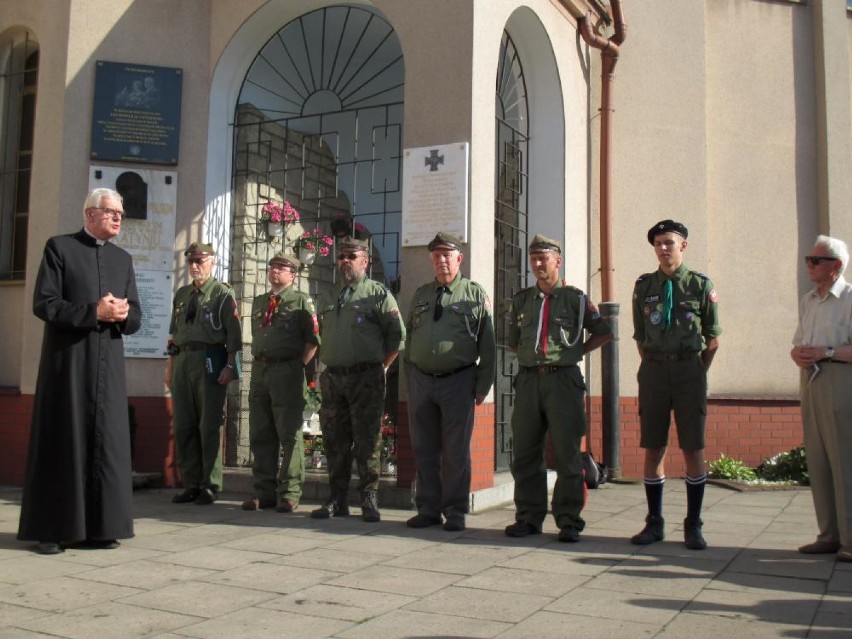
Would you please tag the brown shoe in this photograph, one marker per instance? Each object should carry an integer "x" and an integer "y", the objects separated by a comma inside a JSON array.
[
  {"x": 820, "y": 548},
  {"x": 256, "y": 503},
  {"x": 286, "y": 506},
  {"x": 845, "y": 554}
]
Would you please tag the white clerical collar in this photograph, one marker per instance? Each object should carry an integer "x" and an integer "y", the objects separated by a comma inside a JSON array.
[{"x": 97, "y": 241}]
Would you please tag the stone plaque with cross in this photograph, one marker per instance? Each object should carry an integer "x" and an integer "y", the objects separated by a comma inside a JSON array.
[{"x": 435, "y": 192}]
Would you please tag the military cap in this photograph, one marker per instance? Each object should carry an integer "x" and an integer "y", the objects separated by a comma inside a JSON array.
[
  {"x": 349, "y": 243},
  {"x": 199, "y": 248},
  {"x": 666, "y": 226},
  {"x": 445, "y": 240},
  {"x": 540, "y": 243},
  {"x": 286, "y": 259}
]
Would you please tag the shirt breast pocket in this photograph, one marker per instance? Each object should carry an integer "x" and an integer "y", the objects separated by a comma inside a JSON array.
[
  {"x": 568, "y": 329},
  {"x": 419, "y": 314}
]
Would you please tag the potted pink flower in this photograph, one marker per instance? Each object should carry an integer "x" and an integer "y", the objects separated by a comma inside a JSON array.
[
  {"x": 311, "y": 242},
  {"x": 277, "y": 217}
]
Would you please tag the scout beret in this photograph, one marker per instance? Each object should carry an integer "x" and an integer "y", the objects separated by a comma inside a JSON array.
[
  {"x": 445, "y": 240},
  {"x": 540, "y": 243},
  {"x": 289, "y": 260},
  {"x": 198, "y": 248},
  {"x": 351, "y": 244},
  {"x": 666, "y": 226}
]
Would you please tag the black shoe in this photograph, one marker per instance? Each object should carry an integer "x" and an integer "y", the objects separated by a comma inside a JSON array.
[
  {"x": 454, "y": 524},
  {"x": 692, "y": 536},
  {"x": 521, "y": 529},
  {"x": 569, "y": 534},
  {"x": 423, "y": 521},
  {"x": 102, "y": 544},
  {"x": 48, "y": 548},
  {"x": 205, "y": 497},
  {"x": 370, "y": 507},
  {"x": 186, "y": 496},
  {"x": 256, "y": 503},
  {"x": 653, "y": 531},
  {"x": 335, "y": 507},
  {"x": 286, "y": 505}
]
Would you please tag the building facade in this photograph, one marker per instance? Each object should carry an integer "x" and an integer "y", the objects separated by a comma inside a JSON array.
[{"x": 730, "y": 115}]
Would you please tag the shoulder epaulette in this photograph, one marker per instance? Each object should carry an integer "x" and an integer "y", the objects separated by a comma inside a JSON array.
[
  {"x": 701, "y": 275},
  {"x": 642, "y": 277}
]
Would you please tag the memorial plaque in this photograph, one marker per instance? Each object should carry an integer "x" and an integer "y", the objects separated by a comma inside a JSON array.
[
  {"x": 155, "y": 294},
  {"x": 136, "y": 113},
  {"x": 435, "y": 192}
]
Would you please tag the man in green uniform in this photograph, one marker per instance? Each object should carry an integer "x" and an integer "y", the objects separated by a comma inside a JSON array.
[
  {"x": 546, "y": 327},
  {"x": 450, "y": 359},
  {"x": 285, "y": 336},
  {"x": 676, "y": 328},
  {"x": 206, "y": 336},
  {"x": 362, "y": 334}
]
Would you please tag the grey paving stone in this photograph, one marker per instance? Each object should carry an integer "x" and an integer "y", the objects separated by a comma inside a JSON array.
[
  {"x": 621, "y": 606},
  {"x": 716, "y": 627},
  {"x": 213, "y": 558},
  {"x": 277, "y": 542},
  {"x": 198, "y": 599},
  {"x": 409, "y": 624},
  {"x": 148, "y": 575},
  {"x": 531, "y": 582},
  {"x": 771, "y": 606},
  {"x": 11, "y": 614},
  {"x": 329, "y": 559},
  {"x": 553, "y": 625},
  {"x": 386, "y": 545},
  {"x": 62, "y": 593},
  {"x": 403, "y": 581},
  {"x": 459, "y": 559},
  {"x": 260, "y": 623},
  {"x": 270, "y": 578},
  {"x": 348, "y": 604},
  {"x": 481, "y": 604},
  {"x": 25, "y": 567},
  {"x": 562, "y": 563},
  {"x": 108, "y": 621},
  {"x": 830, "y": 625}
]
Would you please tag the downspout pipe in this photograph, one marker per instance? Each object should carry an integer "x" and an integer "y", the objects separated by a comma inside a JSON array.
[{"x": 610, "y": 410}]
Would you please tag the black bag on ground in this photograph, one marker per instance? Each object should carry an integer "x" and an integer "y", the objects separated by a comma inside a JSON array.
[{"x": 595, "y": 473}]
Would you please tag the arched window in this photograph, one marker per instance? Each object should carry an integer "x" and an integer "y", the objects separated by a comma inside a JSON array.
[{"x": 18, "y": 81}]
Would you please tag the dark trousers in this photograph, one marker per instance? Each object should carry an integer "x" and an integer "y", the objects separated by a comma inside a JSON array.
[
  {"x": 276, "y": 404},
  {"x": 553, "y": 403},
  {"x": 351, "y": 421},
  {"x": 440, "y": 419}
]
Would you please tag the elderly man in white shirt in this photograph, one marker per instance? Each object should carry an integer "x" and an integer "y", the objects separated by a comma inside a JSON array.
[{"x": 823, "y": 351}]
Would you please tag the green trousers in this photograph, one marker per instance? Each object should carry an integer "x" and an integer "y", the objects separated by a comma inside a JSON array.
[
  {"x": 198, "y": 406},
  {"x": 549, "y": 403},
  {"x": 276, "y": 403}
]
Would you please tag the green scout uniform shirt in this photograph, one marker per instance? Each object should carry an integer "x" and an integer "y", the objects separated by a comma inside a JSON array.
[
  {"x": 463, "y": 334},
  {"x": 362, "y": 331},
  {"x": 694, "y": 316},
  {"x": 216, "y": 317},
  {"x": 294, "y": 324},
  {"x": 562, "y": 327}
]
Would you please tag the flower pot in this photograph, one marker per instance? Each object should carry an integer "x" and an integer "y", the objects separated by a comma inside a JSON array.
[
  {"x": 307, "y": 257},
  {"x": 274, "y": 229}
]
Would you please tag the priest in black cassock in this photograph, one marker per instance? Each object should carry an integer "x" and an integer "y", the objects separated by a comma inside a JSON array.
[{"x": 78, "y": 485}]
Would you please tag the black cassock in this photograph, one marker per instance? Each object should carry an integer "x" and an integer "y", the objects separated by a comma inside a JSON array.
[{"x": 78, "y": 481}]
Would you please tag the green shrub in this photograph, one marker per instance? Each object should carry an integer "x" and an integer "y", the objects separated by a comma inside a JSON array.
[
  {"x": 791, "y": 466},
  {"x": 729, "y": 468}
]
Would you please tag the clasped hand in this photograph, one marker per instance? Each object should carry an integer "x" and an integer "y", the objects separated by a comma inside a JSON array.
[{"x": 112, "y": 309}]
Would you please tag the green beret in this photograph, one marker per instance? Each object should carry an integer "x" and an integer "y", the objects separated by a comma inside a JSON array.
[
  {"x": 351, "y": 244},
  {"x": 666, "y": 226},
  {"x": 199, "y": 248},
  {"x": 445, "y": 240},
  {"x": 287, "y": 259},
  {"x": 540, "y": 243}
]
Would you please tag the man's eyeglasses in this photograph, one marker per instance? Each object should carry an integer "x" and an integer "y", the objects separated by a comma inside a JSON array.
[
  {"x": 111, "y": 212},
  {"x": 815, "y": 260},
  {"x": 197, "y": 260},
  {"x": 348, "y": 256},
  {"x": 277, "y": 266}
]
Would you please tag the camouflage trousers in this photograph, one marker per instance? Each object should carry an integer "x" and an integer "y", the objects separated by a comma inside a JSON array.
[{"x": 351, "y": 420}]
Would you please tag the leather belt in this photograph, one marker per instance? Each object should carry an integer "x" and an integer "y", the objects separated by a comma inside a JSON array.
[
  {"x": 275, "y": 360},
  {"x": 660, "y": 356},
  {"x": 193, "y": 346},
  {"x": 543, "y": 369},
  {"x": 355, "y": 368},
  {"x": 448, "y": 373}
]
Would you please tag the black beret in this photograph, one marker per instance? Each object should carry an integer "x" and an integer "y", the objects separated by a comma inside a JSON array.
[
  {"x": 666, "y": 226},
  {"x": 445, "y": 239}
]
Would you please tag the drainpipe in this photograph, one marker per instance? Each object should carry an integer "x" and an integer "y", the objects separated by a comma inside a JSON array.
[{"x": 611, "y": 415}]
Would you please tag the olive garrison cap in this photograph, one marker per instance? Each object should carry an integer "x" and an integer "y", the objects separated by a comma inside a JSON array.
[
  {"x": 666, "y": 226},
  {"x": 284, "y": 258},
  {"x": 199, "y": 248},
  {"x": 445, "y": 240},
  {"x": 540, "y": 243},
  {"x": 351, "y": 244}
]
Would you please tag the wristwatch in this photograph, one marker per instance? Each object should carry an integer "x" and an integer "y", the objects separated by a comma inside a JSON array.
[{"x": 830, "y": 352}]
